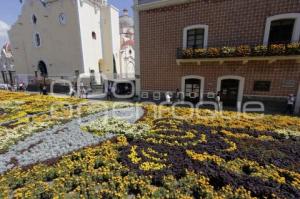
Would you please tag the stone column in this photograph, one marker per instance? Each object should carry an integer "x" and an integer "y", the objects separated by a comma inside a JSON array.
[{"x": 137, "y": 48}]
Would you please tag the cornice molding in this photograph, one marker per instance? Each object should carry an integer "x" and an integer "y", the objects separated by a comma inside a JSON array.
[{"x": 159, "y": 4}]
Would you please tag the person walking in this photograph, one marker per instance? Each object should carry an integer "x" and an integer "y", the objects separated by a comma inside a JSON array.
[
  {"x": 290, "y": 104},
  {"x": 218, "y": 100}
]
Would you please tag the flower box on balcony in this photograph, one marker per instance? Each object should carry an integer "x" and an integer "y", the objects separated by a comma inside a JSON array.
[{"x": 243, "y": 53}]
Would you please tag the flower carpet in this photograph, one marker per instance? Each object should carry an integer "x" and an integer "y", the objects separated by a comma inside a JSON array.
[
  {"x": 195, "y": 154},
  {"x": 22, "y": 115}
]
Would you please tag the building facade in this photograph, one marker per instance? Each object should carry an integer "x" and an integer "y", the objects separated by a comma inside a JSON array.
[
  {"x": 7, "y": 64},
  {"x": 127, "y": 61},
  {"x": 61, "y": 39},
  {"x": 240, "y": 48}
]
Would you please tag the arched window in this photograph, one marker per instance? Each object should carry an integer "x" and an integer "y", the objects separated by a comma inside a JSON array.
[
  {"x": 34, "y": 19},
  {"x": 43, "y": 68},
  {"x": 37, "y": 40},
  {"x": 94, "y": 35}
]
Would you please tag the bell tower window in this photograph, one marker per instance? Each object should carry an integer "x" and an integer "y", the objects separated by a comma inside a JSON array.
[{"x": 37, "y": 40}]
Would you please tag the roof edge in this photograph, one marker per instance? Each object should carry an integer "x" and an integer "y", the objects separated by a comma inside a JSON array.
[{"x": 159, "y": 4}]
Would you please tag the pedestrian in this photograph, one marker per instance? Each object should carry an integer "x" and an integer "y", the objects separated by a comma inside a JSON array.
[
  {"x": 86, "y": 92},
  {"x": 109, "y": 97},
  {"x": 44, "y": 90},
  {"x": 15, "y": 87},
  {"x": 41, "y": 89},
  {"x": 81, "y": 92},
  {"x": 218, "y": 100},
  {"x": 290, "y": 104},
  {"x": 113, "y": 91},
  {"x": 168, "y": 98},
  {"x": 177, "y": 95},
  {"x": 21, "y": 86},
  {"x": 72, "y": 92}
]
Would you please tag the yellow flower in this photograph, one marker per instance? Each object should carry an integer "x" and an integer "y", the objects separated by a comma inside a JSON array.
[
  {"x": 147, "y": 166},
  {"x": 133, "y": 155}
]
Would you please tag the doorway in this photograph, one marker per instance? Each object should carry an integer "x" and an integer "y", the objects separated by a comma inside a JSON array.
[
  {"x": 43, "y": 69},
  {"x": 229, "y": 92},
  {"x": 192, "y": 86},
  {"x": 231, "y": 89}
]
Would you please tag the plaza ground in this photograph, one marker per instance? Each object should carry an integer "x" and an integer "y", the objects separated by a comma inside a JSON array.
[{"x": 53, "y": 147}]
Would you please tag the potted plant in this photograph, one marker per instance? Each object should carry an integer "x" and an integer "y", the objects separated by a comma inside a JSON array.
[
  {"x": 277, "y": 49},
  {"x": 228, "y": 51},
  {"x": 213, "y": 52},
  {"x": 293, "y": 48},
  {"x": 260, "y": 50},
  {"x": 243, "y": 51},
  {"x": 188, "y": 53},
  {"x": 200, "y": 53}
]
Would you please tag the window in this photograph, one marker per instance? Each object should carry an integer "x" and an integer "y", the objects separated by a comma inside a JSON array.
[
  {"x": 37, "y": 40},
  {"x": 195, "y": 36},
  {"x": 62, "y": 19},
  {"x": 283, "y": 28},
  {"x": 262, "y": 86},
  {"x": 281, "y": 31},
  {"x": 94, "y": 36},
  {"x": 34, "y": 19}
]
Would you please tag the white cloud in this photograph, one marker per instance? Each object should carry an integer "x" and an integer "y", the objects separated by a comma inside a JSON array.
[{"x": 4, "y": 27}]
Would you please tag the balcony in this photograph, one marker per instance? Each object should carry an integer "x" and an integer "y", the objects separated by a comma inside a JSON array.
[{"x": 244, "y": 54}]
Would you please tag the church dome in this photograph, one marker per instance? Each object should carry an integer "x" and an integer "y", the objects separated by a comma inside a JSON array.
[{"x": 126, "y": 20}]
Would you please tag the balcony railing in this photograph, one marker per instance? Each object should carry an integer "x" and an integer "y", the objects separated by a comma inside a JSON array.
[{"x": 243, "y": 53}]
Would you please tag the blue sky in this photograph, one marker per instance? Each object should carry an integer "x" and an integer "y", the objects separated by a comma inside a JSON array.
[{"x": 10, "y": 9}]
